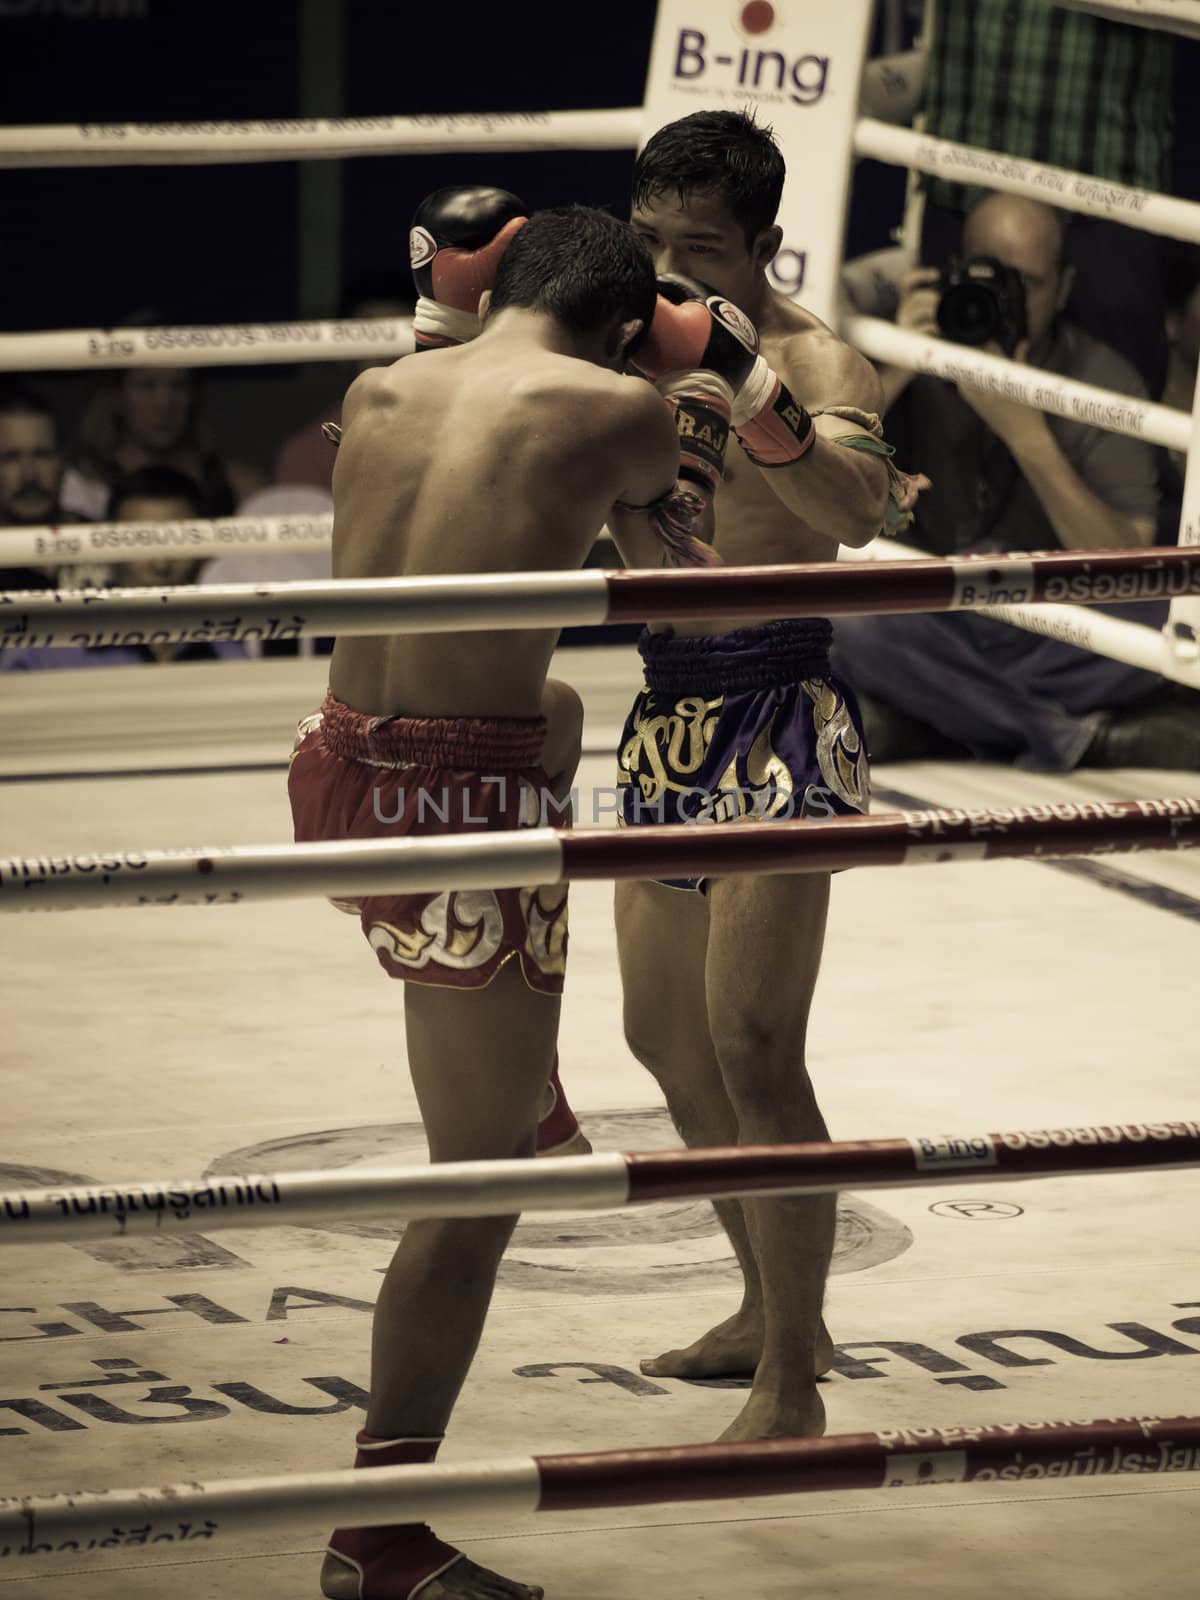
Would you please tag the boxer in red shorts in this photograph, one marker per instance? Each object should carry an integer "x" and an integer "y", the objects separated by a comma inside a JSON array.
[{"x": 504, "y": 453}]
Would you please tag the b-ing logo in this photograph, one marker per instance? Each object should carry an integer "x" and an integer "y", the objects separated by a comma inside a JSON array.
[
  {"x": 768, "y": 73},
  {"x": 755, "y": 18},
  {"x": 736, "y": 321},
  {"x": 422, "y": 247}
]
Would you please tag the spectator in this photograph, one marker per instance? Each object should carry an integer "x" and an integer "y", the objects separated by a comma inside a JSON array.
[
  {"x": 1049, "y": 84},
  {"x": 149, "y": 496},
  {"x": 307, "y": 457},
  {"x": 149, "y": 417},
  {"x": 1009, "y": 478},
  {"x": 31, "y": 476}
]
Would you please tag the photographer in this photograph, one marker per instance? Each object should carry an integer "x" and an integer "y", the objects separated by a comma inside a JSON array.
[{"x": 1006, "y": 477}]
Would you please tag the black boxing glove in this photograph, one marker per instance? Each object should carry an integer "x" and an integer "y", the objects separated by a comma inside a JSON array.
[
  {"x": 697, "y": 329},
  {"x": 457, "y": 239}
]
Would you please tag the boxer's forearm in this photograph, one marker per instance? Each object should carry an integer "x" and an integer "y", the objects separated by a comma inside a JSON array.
[
  {"x": 839, "y": 492},
  {"x": 637, "y": 543}
]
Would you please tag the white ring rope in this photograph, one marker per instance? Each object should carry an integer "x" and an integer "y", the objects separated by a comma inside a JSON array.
[
  {"x": 129, "y": 144},
  {"x": 253, "y": 344},
  {"x": 1171, "y": 16},
  {"x": 1041, "y": 391},
  {"x": 1054, "y": 186},
  {"x": 69, "y": 542},
  {"x": 233, "y": 344}
]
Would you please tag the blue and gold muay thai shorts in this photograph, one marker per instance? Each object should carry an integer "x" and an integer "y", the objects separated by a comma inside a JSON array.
[{"x": 742, "y": 725}]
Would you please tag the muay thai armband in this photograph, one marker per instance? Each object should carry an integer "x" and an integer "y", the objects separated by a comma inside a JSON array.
[
  {"x": 673, "y": 517},
  {"x": 903, "y": 487}
]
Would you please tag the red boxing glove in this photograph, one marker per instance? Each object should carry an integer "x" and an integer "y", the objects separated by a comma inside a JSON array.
[
  {"x": 699, "y": 349},
  {"x": 694, "y": 327},
  {"x": 457, "y": 239}
]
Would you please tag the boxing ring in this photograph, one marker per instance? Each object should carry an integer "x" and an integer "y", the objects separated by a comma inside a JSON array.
[{"x": 1049, "y": 594}]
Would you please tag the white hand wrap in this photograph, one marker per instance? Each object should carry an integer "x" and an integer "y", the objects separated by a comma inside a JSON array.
[
  {"x": 445, "y": 322},
  {"x": 695, "y": 381},
  {"x": 756, "y": 392}
]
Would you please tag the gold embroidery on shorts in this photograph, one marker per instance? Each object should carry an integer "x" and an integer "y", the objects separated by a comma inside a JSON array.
[
  {"x": 840, "y": 753},
  {"x": 459, "y": 928},
  {"x": 766, "y": 790},
  {"x": 662, "y": 746},
  {"x": 544, "y": 911}
]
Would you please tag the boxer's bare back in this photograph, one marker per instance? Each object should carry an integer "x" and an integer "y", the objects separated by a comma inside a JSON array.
[{"x": 504, "y": 455}]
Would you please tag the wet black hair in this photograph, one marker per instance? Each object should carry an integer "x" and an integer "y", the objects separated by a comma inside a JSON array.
[
  {"x": 581, "y": 266},
  {"x": 723, "y": 153}
]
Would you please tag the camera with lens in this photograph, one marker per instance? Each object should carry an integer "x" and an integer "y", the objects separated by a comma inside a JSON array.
[{"x": 980, "y": 301}]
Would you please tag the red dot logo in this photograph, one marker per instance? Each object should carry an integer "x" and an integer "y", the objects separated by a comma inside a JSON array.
[{"x": 758, "y": 16}]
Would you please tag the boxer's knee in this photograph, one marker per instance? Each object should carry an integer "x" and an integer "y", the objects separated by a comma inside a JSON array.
[{"x": 763, "y": 1067}]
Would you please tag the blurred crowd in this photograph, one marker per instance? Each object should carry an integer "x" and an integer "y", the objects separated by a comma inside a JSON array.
[{"x": 143, "y": 453}]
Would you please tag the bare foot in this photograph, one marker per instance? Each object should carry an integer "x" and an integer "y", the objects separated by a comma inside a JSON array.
[
  {"x": 463, "y": 1581},
  {"x": 766, "y": 1416},
  {"x": 733, "y": 1349}
]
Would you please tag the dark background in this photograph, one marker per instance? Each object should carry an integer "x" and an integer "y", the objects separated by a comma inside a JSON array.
[{"x": 90, "y": 247}]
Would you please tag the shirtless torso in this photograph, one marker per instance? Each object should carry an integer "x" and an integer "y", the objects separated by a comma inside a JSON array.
[
  {"x": 421, "y": 488},
  {"x": 755, "y": 525}
]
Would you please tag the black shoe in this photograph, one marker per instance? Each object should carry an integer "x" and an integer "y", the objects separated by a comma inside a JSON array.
[{"x": 1167, "y": 737}]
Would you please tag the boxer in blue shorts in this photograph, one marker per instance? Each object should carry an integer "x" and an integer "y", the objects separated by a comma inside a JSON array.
[
  {"x": 741, "y": 725},
  {"x": 738, "y": 719}
]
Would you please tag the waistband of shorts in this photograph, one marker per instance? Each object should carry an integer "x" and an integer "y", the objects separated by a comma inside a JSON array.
[
  {"x": 764, "y": 657},
  {"x": 512, "y": 744}
]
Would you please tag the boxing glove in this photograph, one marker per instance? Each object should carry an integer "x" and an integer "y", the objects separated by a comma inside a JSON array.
[
  {"x": 457, "y": 239},
  {"x": 697, "y": 362},
  {"x": 695, "y": 327}
]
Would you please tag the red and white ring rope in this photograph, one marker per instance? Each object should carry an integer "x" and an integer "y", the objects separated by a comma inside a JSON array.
[
  {"x": 555, "y": 599},
  {"x": 585, "y": 1183},
  {"x": 1031, "y": 1454},
  {"x": 347, "y": 870}
]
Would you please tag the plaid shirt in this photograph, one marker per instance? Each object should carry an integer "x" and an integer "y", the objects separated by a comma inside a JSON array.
[{"x": 1034, "y": 80}]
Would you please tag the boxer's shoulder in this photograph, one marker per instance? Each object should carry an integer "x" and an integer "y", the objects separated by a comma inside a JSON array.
[
  {"x": 370, "y": 389},
  {"x": 817, "y": 366}
]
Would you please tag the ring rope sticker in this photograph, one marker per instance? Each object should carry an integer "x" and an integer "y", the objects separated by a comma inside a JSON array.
[
  {"x": 910, "y": 1471},
  {"x": 931, "y": 1155},
  {"x": 984, "y": 583},
  {"x": 942, "y": 850}
]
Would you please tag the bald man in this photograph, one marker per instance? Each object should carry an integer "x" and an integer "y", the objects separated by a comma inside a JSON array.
[{"x": 1009, "y": 478}]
